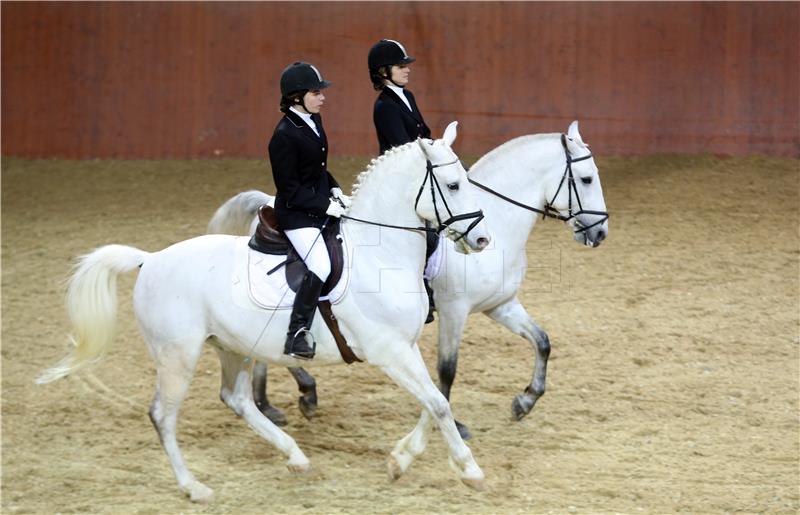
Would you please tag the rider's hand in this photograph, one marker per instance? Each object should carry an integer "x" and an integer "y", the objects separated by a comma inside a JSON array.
[
  {"x": 335, "y": 209},
  {"x": 337, "y": 194}
]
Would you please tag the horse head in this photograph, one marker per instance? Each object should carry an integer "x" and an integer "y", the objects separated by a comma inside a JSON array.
[
  {"x": 577, "y": 195},
  {"x": 446, "y": 198}
]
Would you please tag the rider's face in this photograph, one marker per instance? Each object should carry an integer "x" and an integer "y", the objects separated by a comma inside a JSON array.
[
  {"x": 399, "y": 74},
  {"x": 313, "y": 100}
]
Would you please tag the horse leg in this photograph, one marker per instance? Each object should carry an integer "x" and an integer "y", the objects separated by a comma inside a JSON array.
[
  {"x": 175, "y": 364},
  {"x": 237, "y": 393},
  {"x": 308, "y": 387},
  {"x": 513, "y": 316},
  {"x": 260, "y": 395},
  {"x": 307, "y": 402},
  {"x": 408, "y": 370},
  {"x": 451, "y": 326}
]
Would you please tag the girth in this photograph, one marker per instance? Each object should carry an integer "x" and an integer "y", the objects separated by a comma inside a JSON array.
[{"x": 270, "y": 239}]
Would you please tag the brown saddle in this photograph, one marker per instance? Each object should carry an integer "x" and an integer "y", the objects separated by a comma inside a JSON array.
[{"x": 270, "y": 239}]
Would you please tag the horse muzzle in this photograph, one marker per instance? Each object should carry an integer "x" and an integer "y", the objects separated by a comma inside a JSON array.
[
  {"x": 474, "y": 239},
  {"x": 591, "y": 236},
  {"x": 469, "y": 244}
]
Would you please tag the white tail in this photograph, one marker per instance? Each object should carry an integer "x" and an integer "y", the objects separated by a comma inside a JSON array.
[
  {"x": 235, "y": 216},
  {"x": 92, "y": 306}
]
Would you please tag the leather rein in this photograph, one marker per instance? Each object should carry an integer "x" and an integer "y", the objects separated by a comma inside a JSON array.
[{"x": 549, "y": 211}]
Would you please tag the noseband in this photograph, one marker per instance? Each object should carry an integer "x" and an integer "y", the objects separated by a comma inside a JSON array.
[{"x": 551, "y": 212}]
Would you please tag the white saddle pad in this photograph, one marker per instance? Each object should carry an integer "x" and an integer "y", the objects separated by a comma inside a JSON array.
[
  {"x": 270, "y": 291},
  {"x": 434, "y": 265}
]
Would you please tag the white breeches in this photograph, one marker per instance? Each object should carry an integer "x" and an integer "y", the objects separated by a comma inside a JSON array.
[{"x": 308, "y": 242}]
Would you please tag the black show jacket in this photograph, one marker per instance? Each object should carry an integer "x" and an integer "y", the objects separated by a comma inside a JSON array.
[
  {"x": 299, "y": 167},
  {"x": 394, "y": 123}
]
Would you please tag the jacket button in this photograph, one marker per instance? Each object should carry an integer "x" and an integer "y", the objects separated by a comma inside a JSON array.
[
  {"x": 323, "y": 149},
  {"x": 417, "y": 125},
  {"x": 323, "y": 163}
]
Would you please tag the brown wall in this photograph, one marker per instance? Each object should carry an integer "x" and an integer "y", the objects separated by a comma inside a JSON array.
[{"x": 153, "y": 80}]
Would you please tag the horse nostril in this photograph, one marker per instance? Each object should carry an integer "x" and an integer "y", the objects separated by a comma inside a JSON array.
[
  {"x": 483, "y": 243},
  {"x": 601, "y": 235}
]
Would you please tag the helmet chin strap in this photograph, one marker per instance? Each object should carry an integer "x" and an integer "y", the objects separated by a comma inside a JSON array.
[
  {"x": 302, "y": 103},
  {"x": 389, "y": 78}
]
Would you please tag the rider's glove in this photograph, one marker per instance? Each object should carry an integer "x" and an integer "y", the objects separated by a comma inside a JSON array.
[
  {"x": 337, "y": 194},
  {"x": 335, "y": 209}
]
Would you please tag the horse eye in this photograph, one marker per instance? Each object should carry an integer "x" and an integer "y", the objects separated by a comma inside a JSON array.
[
  {"x": 453, "y": 186},
  {"x": 586, "y": 180}
]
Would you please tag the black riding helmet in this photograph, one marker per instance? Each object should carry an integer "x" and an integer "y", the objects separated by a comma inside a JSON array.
[
  {"x": 387, "y": 52},
  {"x": 300, "y": 76}
]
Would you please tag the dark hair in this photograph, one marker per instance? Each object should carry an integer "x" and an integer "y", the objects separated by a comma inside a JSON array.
[
  {"x": 292, "y": 100},
  {"x": 378, "y": 76}
]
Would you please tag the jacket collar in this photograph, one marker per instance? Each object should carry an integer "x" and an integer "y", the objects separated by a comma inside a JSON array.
[
  {"x": 393, "y": 96},
  {"x": 301, "y": 124}
]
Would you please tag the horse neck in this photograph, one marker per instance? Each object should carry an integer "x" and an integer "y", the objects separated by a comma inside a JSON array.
[
  {"x": 519, "y": 169},
  {"x": 386, "y": 195}
]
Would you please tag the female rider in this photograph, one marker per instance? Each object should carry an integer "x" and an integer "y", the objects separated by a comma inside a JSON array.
[
  {"x": 307, "y": 194},
  {"x": 396, "y": 115}
]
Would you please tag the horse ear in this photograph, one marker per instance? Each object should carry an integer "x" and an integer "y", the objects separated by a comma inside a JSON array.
[
  {"x": 421, "y": 143},
  {"x": 450, "y": 134},
  {"x": 573, "y": 133}
]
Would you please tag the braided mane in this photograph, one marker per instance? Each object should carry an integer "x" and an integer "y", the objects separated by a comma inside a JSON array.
[{"x": 377, "y": 162}]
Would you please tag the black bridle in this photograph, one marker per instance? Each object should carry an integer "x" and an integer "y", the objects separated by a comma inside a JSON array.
[
  {"x": 551, "y": 212},
  {"x": 477, "y": 215}
]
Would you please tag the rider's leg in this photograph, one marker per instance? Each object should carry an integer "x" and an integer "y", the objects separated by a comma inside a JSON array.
[
  {"x": 431, "y": 242},
  {"x": 431, "y": 305},
  {"x": 309, "y": 244}
]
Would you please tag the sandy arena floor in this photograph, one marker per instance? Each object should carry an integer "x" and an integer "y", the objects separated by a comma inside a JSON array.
[{"x": 673, "y": 383}]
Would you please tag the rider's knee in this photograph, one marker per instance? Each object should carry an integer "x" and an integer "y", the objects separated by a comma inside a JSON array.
[{"x": 321, "y": 270}]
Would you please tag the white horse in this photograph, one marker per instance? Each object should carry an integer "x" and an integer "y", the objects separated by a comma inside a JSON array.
[
  {"x": 522, "y": 179},
  {"x": 184, "y": 298}
]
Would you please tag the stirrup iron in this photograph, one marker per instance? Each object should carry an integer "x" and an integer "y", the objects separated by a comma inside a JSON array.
[{"x": 304, "y": 333}]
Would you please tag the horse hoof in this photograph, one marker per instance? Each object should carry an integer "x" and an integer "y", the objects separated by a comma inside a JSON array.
[
  {"x": 307, "y": 408},
  {"x": 275, "y": 415},
  {"x": 299, "y": 468},
  {"x": 463, "y": 431},
  {"x": 298, "y": 462},
  {"x": 393, "y": 468},
  {"x": 520, "y": 406},
  {"x": 478, "y": 484},
  {"x": 200, "y": 493}
]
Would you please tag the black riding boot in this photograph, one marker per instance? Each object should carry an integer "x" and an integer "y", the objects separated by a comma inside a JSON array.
[
  {"x": 431, "y": 242},
  {"x": 305, "y": 305},
  {"x": 431, "y": 305}
]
